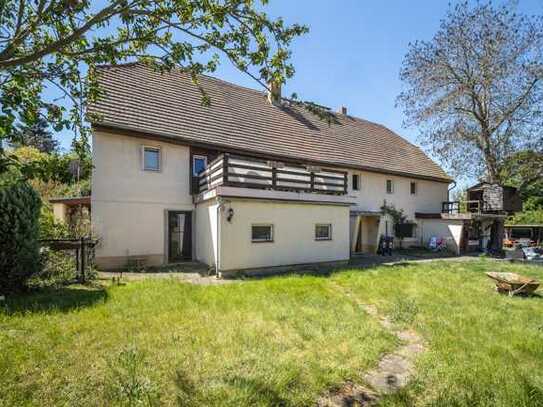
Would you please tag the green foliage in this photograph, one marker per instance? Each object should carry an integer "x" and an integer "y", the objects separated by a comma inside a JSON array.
[
  {"x": 57, "y": 45},
  {"x": 19, "y": 231},
  {"x": 55, "y": 167},
  {"x": 37, "y": 135},
  {"x": 58, "y": 269},
  {"x": 524, "y": 170},
  {"x": 527, "y": 217},
  {"x": 127, "y": 382}
]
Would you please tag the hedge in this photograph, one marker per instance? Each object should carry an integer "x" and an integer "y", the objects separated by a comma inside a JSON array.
[{"x": 19, "y": 232}]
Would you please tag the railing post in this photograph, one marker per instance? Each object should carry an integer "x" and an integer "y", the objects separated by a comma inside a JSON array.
[
  {"x": 312, "y": 181},
  {"x": 83, "y": 254},
  {"x": 274, "y": 177},
  {"x": 345, "y": 182},
  {"x": 225, "y": 169}
]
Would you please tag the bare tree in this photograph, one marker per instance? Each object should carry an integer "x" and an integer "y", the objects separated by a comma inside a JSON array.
[{"x": 475, "y": 89}]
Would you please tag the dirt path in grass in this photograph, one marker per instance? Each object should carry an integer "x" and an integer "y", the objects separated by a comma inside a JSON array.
[{"x": 393, "y": 372}]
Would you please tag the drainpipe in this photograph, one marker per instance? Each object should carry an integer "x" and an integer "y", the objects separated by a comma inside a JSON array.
[
  {"x": 449, "y": 190},
  {"x": 220, "y": 206}
]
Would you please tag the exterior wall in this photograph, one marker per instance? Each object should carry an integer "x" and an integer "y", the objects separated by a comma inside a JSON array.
[
  {"x": 372, "y": 194},
  {"x": 130, "y": 211},
  {"x": 129, "y": 205},
  {"x": 450, "y": 230},
  {"x": 206, "y": 228},
  {"x": 294, "y": 234}
]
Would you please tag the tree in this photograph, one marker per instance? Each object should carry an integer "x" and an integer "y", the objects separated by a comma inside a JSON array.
[
  {"x": 524, "y": 170},
  {"x": 476, "y": 88},
  {"x": 51, "y": 44},
  {"x": 38, "y": 136}
]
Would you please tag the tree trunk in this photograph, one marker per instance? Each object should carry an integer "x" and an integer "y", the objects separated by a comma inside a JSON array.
[{"x": 496, "y": 238}]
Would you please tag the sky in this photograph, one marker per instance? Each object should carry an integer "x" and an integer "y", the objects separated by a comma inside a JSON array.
[{"x": 353, "y": 53}]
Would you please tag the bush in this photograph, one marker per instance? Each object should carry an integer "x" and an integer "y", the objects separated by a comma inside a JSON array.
[
  {"x": 20, "y": 208},
  {"x": 58, "y": 269}
]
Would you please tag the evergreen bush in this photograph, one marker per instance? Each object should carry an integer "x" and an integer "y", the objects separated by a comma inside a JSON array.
[{"x": 19, "y": 233}]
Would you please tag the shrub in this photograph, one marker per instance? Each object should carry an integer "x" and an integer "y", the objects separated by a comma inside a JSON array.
[
  {"x": 58, "y": 269},
  {"x": 20, "y": 208}
]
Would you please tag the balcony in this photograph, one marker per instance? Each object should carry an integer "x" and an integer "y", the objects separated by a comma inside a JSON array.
[
  {"x": 245, "y": 172},
  {"x": 457, "y": 207}
]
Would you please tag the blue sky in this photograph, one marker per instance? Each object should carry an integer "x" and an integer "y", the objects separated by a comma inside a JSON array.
[{"x": 353, "y": 52}]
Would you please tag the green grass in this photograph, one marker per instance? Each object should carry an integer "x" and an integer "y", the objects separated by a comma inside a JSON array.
[{"x": 277, "y": 341}]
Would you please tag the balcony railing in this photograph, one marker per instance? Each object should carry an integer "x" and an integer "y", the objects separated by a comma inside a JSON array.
[
  {"x": 455, "y": 207},
  {"x": 245, "y": 172}
]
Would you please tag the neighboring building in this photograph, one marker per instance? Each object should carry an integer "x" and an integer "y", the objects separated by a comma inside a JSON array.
[{"x": 250, "y": 181}]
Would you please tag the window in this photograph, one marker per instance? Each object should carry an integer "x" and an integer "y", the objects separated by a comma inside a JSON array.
[
  {"x": 323, "y": 232},
  {"x": 390, "y": 186},
  {"x": 356, "y": 185},
  {"x": 151, "y": 158},
  {"x": 405, "y": 230},
  {"x": 413, "y": 188},
  {"x": 262, "y": 233},
  {"x": 199, "y": 164}
]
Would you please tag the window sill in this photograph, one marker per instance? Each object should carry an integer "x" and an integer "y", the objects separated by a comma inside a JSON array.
[{"x": 262, "y": 241}]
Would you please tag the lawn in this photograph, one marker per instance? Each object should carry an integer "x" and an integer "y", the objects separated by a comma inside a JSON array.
[{"x": 277, "y": 341}]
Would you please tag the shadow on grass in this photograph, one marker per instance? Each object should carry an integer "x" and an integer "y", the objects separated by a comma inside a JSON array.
[{"x": 55, "y": 300}]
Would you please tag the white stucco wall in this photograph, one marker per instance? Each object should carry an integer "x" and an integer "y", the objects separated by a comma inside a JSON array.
[
  {"x": 372, "y": 193},
  {"x": 450, "y": 230},
  {"x": 206, "y": 229},
  {"x": 128, "y": 204},
  {"x": 294, "y": 234},
  {"x": 129, "y": 209}
]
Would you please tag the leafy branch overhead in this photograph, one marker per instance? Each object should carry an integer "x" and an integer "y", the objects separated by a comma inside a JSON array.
[
  {"x": 55, "y": 45},
  {"x": 476, "y": 89}
]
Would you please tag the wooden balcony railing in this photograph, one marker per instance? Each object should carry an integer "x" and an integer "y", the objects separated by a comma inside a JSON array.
[
  {"x": 453, "y": 207},
  {"x": 246, "y": 172}
]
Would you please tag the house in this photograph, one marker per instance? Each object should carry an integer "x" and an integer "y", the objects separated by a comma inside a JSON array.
[{"x": 251, "y": 181}]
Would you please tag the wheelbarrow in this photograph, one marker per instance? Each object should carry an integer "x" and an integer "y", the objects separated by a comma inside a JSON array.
[{"x": 513, "y": 284}]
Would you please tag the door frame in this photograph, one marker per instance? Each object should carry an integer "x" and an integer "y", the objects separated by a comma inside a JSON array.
[{"x": 169, "y": 258}]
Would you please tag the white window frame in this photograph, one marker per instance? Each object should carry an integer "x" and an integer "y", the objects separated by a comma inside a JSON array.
[
  {"x": 391, "y": 186},
  {"x": 416, "y": 187},
  {"x": 352, "y": 182},
  {"x": 329, "y": 226},
  {"x": 272, "y": 237},
  {"x": 198, "y": 157},
  {"x": 155, "y": 148}
]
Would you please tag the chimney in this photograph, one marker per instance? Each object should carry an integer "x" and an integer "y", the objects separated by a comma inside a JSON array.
[
  {"x": 274, "y": 93},
  {"x": 342, "y": 110}
]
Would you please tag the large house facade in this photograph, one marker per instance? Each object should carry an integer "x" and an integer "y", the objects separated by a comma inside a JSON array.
[{"x": 249, "y": 182}]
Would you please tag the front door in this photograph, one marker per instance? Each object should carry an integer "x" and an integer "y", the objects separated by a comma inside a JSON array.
[{"x": 179, "y": 236}]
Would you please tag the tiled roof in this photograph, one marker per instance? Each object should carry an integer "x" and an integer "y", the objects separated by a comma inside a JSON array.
[{"x": 137, "y": 98}]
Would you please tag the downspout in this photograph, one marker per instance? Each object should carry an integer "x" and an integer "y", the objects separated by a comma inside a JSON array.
[
  {"x": 450, "y": 189},
  {"x": 220, "y": 206}
]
